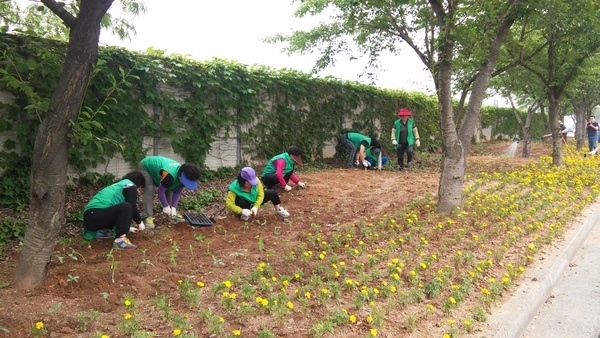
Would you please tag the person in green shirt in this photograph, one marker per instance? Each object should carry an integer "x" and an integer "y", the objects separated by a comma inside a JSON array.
[
  {"x": 357, "y": 144},
  {"x": 170, "y": 177},
  {"x": 405, "y": 135},
  {"x": 246, "y": 194},
  {"x": 112, "y": 209}
]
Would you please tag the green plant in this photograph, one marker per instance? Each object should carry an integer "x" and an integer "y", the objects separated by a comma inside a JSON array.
[
  {"x": 190, "y": 293},
  {"x": 113, "y": 264},
  {"x": 200, "y": 199},
  {"x": 84, "y": 318},
  {"x": 11, "y": 228}
]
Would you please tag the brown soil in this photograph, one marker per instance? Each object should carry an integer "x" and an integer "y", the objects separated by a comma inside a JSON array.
[{"x": 173, "y": 252}]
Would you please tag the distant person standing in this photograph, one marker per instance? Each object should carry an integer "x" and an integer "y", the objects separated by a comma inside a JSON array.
[
  {"x": 404, "y": 136},
  {"x": 592, "y": 131}
]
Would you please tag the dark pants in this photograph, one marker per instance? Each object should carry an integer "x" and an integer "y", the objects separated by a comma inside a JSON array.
[
  {"x": 118, "y": 216},
  {"x": 404, "y": 148},
  {"x": 351, "y": 150},
  {"x": 270, "y": 196},
  {"x": 271, "y": 180}
]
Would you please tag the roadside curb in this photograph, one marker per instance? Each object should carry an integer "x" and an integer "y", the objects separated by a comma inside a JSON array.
[{"x": 513, "y": 317}]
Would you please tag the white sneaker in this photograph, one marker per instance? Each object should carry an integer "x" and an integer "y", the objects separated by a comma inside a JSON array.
[
  {"x": 244, "y": 218},
  {"x": 283, "y": 213}
]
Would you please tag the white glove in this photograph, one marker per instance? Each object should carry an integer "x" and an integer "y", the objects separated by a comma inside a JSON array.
[
  {"x": 394, "y": 142},
  {"x": 417, "y": 143},
  {"x": 366, "y": 164},
  {"x": 287, "y": 188},
  {"x": 141, "y": 226},
  {"x": 302, "y": 184},
  {"x": 167, "y": 210},
  {"x": 246, "y": 212},
  {"x": 173, "y": 212},
  {"x": 133, "y": 230},
  {"x": 254, "y": 210}
]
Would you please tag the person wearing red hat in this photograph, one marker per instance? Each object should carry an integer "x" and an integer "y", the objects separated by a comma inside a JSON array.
[
  {"x": 280, "y": 169},
  {"x": 404, "y": 136},
  {"x": 246, "y": 194}
]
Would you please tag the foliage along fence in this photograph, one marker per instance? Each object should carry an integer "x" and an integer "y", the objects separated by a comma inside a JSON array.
[{"x": 141, "y": 104}]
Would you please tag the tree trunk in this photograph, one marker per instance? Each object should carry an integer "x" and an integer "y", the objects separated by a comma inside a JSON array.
[
  {"x": 49, "y": 167},
  {"x": 527, "y": 131},
  {"x": 453, "y": 156},
  {"x": 580, "y": 123},
  {"x": 557, "y": 143}
]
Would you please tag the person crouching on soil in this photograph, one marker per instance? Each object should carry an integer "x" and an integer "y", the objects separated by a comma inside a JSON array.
[
  {"x": 404, "y": 136},
  {"x": 170, "y": 177},
  {"x": 112, "y": 209},
  {"x": 280, "y": 169},
  {"x": 246, "y": 194},
  {"x": 375, "y": 157},
  {"x": 357, "y": 145}
]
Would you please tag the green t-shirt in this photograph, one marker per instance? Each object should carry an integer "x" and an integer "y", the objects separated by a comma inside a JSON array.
[
  {"x": 357, "y": 138},
  {"x": 154, "y": 164},
  {"x": 107, "y": 197}
]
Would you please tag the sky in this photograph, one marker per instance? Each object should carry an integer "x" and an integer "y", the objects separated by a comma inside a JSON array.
[{"x": 233, "y": 29}]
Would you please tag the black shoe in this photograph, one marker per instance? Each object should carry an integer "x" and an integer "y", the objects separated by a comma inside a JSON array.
[{"x": 401, "y": 169}]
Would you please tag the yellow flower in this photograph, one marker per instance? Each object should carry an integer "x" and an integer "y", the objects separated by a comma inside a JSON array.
[
  {"x": 222, "y": 320},
  {"x": 264, "y": 302},
  {"x": 39, "y": 325},
  {"x": 126, "y": 316},
  {"x": 200, "y": 284},
  {"x": 352, "y": 319},
  {"x": 485, "y": 291},
  {"x": 227, "y": 284},
  {"x": 180, "y": 281},
  {"x": 285, "y": 283},
  {"x": 392, "y": 289},
  {"x": 104, "y": 336},
  {"x": 236, "y": 332},
  {"x": 307, "y": 295},
  {"x": 369, "y": 319},
  {"x": 290, "y": 305},
  {"x": 452, "y": 300},
  {"x": 127, "y": 302},
  {"x": 451, "y": 321},
  {"x": 232, "y": 295},
  {"x": 373, "y": 332},
  {"x": 176, "y": 332},
  {"x": 325, "y": 291}
]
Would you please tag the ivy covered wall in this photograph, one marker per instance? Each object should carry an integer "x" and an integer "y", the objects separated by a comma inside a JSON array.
[{"x": 136, "y": 101}]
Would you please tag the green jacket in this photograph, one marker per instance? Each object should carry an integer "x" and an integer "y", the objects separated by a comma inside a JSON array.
[
  {"x": 270, "y": 168},
  {"x": 409, "y": 125},
  {"x": 107, "y": 197},
  {"x": 154, "y": 164},
  {"x": 357, "y": 138}
]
